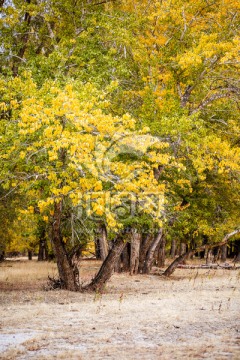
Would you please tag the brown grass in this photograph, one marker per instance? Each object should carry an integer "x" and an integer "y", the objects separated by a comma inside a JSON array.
[
  {"x": 24, "y": 274},
  {"x": 20, "y": 273},
  {"x": 193, "y": 315}
]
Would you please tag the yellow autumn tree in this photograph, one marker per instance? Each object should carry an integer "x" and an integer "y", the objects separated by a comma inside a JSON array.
[{"x": 67, "y": 145}]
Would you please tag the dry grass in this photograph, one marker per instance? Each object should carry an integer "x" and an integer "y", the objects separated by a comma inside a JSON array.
[
  {"x": 193, "y": 315},
  {"x": 20, "y": 273},
  {"x": 24, "y": 274}
]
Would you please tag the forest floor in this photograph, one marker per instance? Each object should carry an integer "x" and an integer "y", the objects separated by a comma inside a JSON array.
[{"x": 195, "y": 314}]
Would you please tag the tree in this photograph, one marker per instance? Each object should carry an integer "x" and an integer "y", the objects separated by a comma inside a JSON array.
[{"x": 66, "y": 146}]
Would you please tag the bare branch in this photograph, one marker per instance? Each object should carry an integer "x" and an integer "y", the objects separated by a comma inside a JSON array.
[
  {"x": 208, "y": 101},
  {"x": 220, "y": 95},
  {"x": 103, "y": 2}
]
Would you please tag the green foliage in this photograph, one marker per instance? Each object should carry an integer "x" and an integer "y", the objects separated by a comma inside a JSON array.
[{"x": 72, "y": 69}]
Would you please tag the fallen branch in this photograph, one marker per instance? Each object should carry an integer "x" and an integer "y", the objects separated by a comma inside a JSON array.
[
  {"x": 209, "y": 266},
  {"x": 172, "y": 267}
]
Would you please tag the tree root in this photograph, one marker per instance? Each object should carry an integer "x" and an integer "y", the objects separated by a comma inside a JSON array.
[{"x": 54, "y": 284}]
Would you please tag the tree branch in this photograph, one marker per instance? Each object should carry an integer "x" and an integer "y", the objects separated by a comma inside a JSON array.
[
  {"x": 209, "y": 100},
  {"x": 103, "y": 2}
]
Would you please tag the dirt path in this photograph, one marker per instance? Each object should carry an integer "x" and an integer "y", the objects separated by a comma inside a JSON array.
[{"x": 194, "y": 315}]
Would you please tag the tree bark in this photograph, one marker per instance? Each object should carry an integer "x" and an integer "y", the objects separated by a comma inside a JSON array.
[
  {"x": 145, "y": 244},
  {"x": 183, "y": 247},
  {"x": 237, "y": 258},
  {"x": 216, "y": 254},
  {"x": 30, "y": 254},
  {"x": 150, "y": 254},
  {"x": 68, "y": 273},
  {"x": 103, "y": 242},
  {"x": 173, "y": 249},
  {"x": 172, "y": 267},
  {"x": 97, "y": 248},
  {"x": 237, "y": 251},
  {"x": 43, "y": 250},
  {"x": 224, "y": 253},
  {"x": 108, "y": 265},
  {"x": 126, "y": 257},
  {"x": 209, "y": 256},
  {"x": 161, "y": 253},
  {"x": 118, "y": 265},
  {"x": 2, "y": 255},
  {"x": 135, "y": 249}
]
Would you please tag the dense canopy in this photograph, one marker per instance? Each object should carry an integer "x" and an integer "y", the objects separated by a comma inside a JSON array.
[{"x": 120, "y": 115}]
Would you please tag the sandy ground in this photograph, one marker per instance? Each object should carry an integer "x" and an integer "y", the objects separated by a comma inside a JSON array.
[{"x": 193, "y": 315}]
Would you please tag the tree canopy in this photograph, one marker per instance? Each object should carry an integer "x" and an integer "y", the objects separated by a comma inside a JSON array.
[{"x": 122, "y": 113}]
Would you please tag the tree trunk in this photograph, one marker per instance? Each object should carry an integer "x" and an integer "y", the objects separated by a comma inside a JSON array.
[
  {"x": 118, "y": 265},
  {"x": 68, "y": 273},
  {"x": 224, "y": 253},
  {"x": 183, "y": 248},
  {"x": 108, "y": 265},
  {"x": 151, "y": 251},
  {"x": 135, "y": 249},
  {"x": 126, "y": 257},
  {"x": 161, "y": 253},
  {"x": 146, "y": 242},
  {"x": 237, "y": 259},
  {"x": 191, "y": 246},
  {"x": 2, "y": 255},
  {"x": 103, "y": 242},
  {"x": 236, "y": 251},
  {"x": 171, "y": 268},
  {"x": 43, "y": 250},
  {"x": 216, "y": 254},
  {"x": 97, "y": 248},
  {"x": 173, "y": 249},
  {"x": 209, "y": 257},
  {"x": 177, "y": 251},
  {"x": 30, "y": 254}
]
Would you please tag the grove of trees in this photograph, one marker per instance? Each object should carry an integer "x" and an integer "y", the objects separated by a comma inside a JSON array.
[{"x": 119, "y": 124}]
